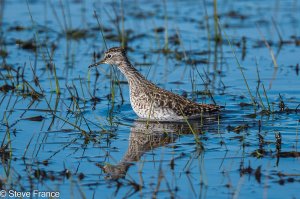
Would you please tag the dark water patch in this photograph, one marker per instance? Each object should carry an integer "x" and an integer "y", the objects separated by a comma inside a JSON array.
[
  {"x": 159, "y": 29},
  {"x": 17, "y": 28},
  {"x": 27, "y": 44},
  {"x": 238, "y": 129},
  {"x": 77, "y": 34},
  {"x": 6, "y": 88},
  {"x": 235, "y": 15},
  {"x": 3, "y": 53},
  {"x": 101, "y": 28},
  {"x": 35, "y": 118}
]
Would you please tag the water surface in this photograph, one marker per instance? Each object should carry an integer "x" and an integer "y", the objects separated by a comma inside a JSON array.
[{"x": 87, "y": 141}]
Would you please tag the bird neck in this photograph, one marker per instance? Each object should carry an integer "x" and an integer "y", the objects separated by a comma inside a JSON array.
[{"x": 129, "y": 71}]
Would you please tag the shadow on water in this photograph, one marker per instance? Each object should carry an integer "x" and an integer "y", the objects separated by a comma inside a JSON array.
[{"x": 148, "y": 135}]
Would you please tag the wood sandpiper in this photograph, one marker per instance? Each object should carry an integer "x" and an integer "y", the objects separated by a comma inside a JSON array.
[{"x": 148, "y": 100}]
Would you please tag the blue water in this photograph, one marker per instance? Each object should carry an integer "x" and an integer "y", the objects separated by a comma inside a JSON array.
[{"x": 164, "y": 160}]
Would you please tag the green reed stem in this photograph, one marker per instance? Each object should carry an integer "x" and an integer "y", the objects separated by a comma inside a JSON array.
[
  {"x": 265, "y": 93},
  {"x": 57, "y": 88},
  {"x": 166, "y": 47},
  {"x": 239, "y": 65}
]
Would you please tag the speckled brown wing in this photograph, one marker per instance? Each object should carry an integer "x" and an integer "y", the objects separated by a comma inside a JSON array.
[
  {"x": 180, "y": 105},
  {"x": 192, "y": 109}
]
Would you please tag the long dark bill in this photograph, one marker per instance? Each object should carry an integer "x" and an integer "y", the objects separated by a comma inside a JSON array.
[{"x": 96, "y": 64}]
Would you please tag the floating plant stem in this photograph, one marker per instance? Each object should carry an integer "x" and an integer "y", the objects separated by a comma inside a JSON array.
[
  {"x": 27, "y": 146},
  {"x": 7, "y": 134},
  {"x": 196, "y": 135},
  {"x": 257, "y": 89},
  {"x": 123, "y": 37},
  {"x": 57, "y": 88},
  {"x": 101, "y": 30},
  {"x": 207, "y": 27},
  {"x": 239, "y": 66},
  {"x": 269, "y": 47},
  {"x": 77, "y": 105},
  {"x": 166, "y": 47},
  {"x": 297, "y": 138},
  {"x": 265, "y": 93},
  {"x": 216, "y": 19},
  {"x": 277, "y": 30}
]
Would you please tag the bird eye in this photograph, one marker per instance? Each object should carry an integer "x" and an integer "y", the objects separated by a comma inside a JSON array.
[{"x": 108, "y": 55}]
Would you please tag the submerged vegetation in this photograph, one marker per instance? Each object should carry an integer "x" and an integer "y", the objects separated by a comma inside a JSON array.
[{"x": 70, "y": 129}]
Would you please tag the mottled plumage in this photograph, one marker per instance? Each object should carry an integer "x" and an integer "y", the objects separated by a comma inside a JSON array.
[{"x": 148, "y": 100}]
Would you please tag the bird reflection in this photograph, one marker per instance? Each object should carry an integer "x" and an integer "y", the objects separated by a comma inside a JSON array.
[{"x": 146, "y": 136}]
